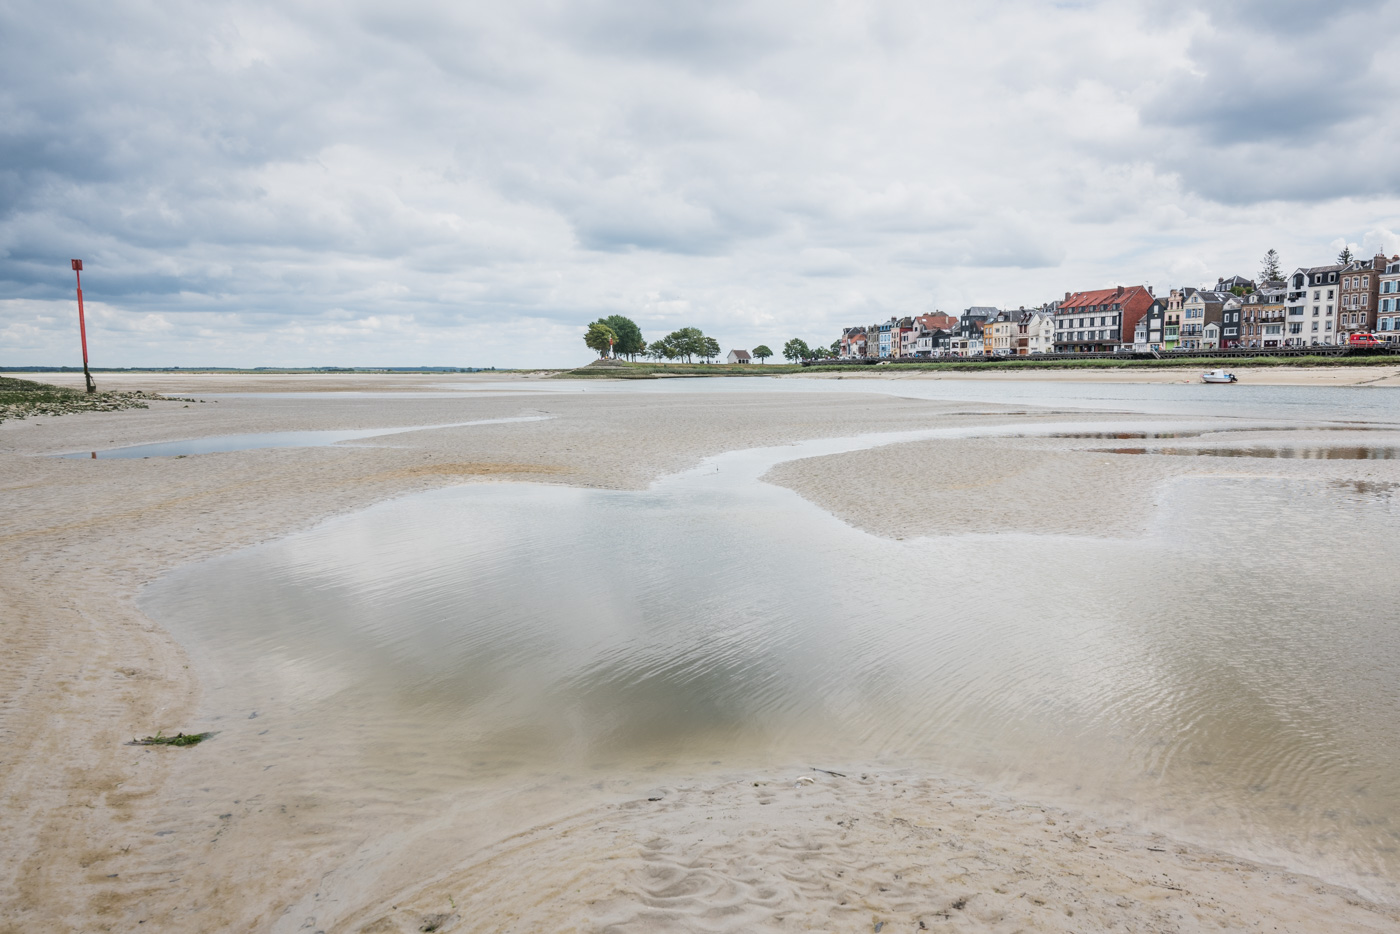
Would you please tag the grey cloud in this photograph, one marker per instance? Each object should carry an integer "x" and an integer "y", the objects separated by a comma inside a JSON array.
[
  {"x": 402, "y": 174},
  {"x": 1285, "y": 101},
  {"x": 700, "y": 33}
]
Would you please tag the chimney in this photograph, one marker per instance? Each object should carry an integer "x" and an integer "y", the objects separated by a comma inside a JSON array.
[
  {"x": 1066, "y": 296},
  {"x": 1119, "y": 291},
  {"x": 1150, "y": 292}
]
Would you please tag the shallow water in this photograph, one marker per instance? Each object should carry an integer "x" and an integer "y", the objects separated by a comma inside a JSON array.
[
  {"x": 1233, "y": 676},
  {"x": 1339, "y": 452},
  {"x": 1297, "y": 403},
  {"x": 219, "y": 444}
]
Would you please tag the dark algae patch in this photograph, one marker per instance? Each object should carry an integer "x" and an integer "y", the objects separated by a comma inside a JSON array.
[{"x": 179, "y": 739}]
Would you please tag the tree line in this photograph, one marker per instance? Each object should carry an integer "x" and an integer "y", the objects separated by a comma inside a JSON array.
[{"x": 619, "y": 336}]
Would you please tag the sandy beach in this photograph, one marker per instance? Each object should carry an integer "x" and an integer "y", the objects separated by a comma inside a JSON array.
[{"x": 253, "y": 833}]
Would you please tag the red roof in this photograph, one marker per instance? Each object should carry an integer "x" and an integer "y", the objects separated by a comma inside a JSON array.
[
  {"x": 1115, "y": 296},
  {"x": 938, "y": 322}
]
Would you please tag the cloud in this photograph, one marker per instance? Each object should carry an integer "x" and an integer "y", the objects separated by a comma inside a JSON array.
[
  {"x": 1282, "y": 101},
  {"x": 253, "y": 183}
]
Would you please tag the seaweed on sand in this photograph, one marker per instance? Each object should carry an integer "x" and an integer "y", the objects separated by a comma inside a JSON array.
[{"x": 179, "y": 739}]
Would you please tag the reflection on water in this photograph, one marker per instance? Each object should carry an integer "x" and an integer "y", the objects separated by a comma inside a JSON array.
[
  {"x": 1224, "y": 676},
  {"x": 218, "y": 444},
  {"x": 1342, "y": 452}
]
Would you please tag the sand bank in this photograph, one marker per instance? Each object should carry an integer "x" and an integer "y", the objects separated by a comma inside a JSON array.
[
  {"x": 1379, "y": 375},
  {"x": 102, "y": 836},
  {"x": 1252, "y": 376}
]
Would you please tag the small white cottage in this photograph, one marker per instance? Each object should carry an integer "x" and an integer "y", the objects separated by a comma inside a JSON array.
[{"x": 738, "y": 356}]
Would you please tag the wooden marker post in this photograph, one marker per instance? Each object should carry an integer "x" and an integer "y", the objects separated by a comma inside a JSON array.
[{"x": 82, "y": 325}]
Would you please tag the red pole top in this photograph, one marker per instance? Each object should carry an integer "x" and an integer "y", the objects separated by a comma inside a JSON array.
[{"x": 77, "y": 265}]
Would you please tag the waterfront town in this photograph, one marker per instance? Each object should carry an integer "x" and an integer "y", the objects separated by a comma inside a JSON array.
[{"x": 1350, "y": 301}]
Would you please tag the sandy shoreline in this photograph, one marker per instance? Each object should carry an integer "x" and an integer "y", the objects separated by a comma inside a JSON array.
[
  {"x": 392, "y": 382},
  {"x": 183, "y": 839}
]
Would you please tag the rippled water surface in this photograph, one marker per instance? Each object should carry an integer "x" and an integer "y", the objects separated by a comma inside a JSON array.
[{"x": 1233, "y": 675}]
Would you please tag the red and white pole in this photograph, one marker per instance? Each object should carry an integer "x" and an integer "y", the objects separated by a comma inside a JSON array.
[{"x": 82, "y": 325}]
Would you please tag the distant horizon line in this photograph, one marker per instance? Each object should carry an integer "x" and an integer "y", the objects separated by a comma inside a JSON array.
[{"x": 264, "y": 369}]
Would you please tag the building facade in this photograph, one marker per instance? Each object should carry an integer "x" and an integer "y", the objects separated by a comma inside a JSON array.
[
  {"x": 967, "y": 336},
  {"x": 1171, "y": 323},
  {"x": 1000, "y": 334},
  {"x": 1230, "y": 323},
  {"x": 1358, "y": 297},
  {"x": 1150, "y": 328},
  {"x": 1097, "y": 321},
  {"x": 1388, "y": 315},
  {"x": 1262, "y": 324},
  {"x": 1312, "y": 305},
  {"x": 1198, "y": 309}
]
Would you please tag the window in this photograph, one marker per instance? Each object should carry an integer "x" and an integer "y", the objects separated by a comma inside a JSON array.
[
  {"x": 1316, "y": 311},
  {"x": 1365, "y": 282},
  {"x": 1330, "y": 293},
  {"x": 1317, "y": 295},
  {"x": 1314, "y": 325}
]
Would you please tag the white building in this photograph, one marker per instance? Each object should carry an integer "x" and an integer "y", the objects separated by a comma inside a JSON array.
[
  {"x": 1312, "y": 306},
  {"x": 1388, "y": 310},
  {"x": 1039, "y": 330}
]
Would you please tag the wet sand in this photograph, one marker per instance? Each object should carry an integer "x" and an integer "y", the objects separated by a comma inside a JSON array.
[{"x": 101, "y": 835}]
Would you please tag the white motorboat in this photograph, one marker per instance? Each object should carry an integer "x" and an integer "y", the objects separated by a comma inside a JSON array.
[{"x": 1219, "y": 376}]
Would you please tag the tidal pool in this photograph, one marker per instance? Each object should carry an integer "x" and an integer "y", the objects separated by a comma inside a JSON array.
[{"x": 1232, "y": 676}]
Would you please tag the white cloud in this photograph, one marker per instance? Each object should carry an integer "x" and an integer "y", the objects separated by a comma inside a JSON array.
[{"x": 303, "y": 183}]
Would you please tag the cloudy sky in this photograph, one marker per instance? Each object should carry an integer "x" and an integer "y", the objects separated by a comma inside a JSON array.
[{"x": 465, "y": 184}]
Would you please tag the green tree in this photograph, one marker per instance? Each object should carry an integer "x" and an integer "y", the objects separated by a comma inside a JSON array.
[
  {"x": 1345, "y": 256},
  {"x": 1269, "y": 268},
  {"x": 835, "y": 349},
  {"x": 600, "y": 337},
  {"x": 662, "y": 349},
  {"x": 685, "y": 342},
  {"x": 709, "y": 348},
  {"x": 629, "y": 336},
  {"x": 796, "y": 349},
  {"x": 762, "y": 352}
]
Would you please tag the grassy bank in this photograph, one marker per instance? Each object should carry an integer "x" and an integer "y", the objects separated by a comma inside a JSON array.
[
  {"x": 625, "y": 370},
  {"x": 621, "y": 369},
  {"x": 21, "y": 398}
]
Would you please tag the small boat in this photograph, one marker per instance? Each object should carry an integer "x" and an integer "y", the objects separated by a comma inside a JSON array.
[{"x": 1219, "y": 376}]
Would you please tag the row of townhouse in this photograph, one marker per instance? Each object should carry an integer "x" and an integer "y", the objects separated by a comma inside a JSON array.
[
  {"x": 1318, "y": 305},
  {"x": 977, "y": 331}
]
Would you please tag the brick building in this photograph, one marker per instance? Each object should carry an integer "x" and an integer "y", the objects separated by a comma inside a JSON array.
[{"x": 1100, "y": 320}]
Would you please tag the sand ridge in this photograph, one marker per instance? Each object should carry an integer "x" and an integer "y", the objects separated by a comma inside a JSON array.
[{"x": 808, "y": 850}]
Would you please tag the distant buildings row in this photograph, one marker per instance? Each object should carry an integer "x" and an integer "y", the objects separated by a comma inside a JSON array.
[{"x": 1316, "y": 306}]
